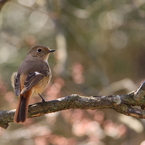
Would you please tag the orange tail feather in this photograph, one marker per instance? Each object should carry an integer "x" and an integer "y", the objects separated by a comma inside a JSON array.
[{"x": 22, "y": 109}]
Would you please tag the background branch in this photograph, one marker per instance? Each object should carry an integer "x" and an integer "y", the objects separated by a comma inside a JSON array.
[
  {"x": 125, "y": 104},
  {"x": 2, "y": 3}
]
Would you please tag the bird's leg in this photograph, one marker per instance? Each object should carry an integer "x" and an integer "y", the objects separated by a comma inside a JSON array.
[{"x": 42, "y": 98}]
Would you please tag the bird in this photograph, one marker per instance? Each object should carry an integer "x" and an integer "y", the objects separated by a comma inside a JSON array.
[{"x": 32, "y": 77}]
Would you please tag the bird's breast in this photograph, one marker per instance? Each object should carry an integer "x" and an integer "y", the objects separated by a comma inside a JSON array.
[{"x": 39, "y": 88}]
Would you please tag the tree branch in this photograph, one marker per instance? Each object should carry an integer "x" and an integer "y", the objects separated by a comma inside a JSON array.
[{"x": 131, "y": 104}]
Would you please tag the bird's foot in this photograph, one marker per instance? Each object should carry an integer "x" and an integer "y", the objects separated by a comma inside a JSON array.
[{"x": 42, "y": 98}]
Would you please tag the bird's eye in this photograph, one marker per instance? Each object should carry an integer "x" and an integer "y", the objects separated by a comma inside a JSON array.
[{"x": 39, "y": 50}]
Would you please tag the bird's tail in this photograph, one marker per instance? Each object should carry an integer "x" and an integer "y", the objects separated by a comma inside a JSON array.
[{"x": 22, "y": 109}]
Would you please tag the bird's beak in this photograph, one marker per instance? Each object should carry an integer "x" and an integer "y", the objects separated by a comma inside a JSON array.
[{"x": 52, "y": 50}]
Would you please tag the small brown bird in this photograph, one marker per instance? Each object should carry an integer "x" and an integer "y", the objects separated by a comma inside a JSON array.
[{"x": 32, "y": 77}]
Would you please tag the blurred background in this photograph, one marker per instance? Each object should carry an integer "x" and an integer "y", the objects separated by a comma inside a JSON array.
[{"x": 100, "y": 51}]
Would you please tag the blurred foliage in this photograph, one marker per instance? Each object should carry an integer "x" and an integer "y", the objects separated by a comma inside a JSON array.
[{"x": 100, "y": 50}]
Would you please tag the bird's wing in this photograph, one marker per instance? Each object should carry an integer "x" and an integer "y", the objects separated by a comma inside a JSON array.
[{"x": 31, "y": 80}]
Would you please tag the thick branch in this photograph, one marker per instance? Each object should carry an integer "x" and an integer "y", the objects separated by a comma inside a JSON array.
[{"x": 125, "y": 104}]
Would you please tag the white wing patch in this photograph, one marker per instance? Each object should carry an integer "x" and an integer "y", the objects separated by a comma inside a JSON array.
[{"x": 37, "y": 73}]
